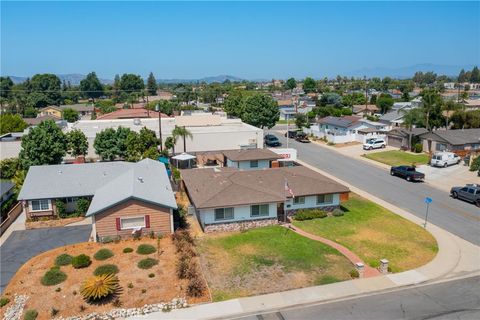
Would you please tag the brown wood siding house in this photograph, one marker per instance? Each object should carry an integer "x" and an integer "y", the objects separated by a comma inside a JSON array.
[{"x": 109, "y": 223}]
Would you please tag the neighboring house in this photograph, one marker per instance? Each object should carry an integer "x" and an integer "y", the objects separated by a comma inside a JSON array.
[
  {"x": 250, "y": 159},
  {"x": 287, "y": 113},
  {"x": 36, "y": 121},
  {"x": 56, "y": 111},
  {"x": 10, "y": 145},
  {"x": 398, "y": 137},
  {"x": 402, "y": 105},
  {"x": 393, "y": 119},
  {"x": 347, "y": 129},
  {"x": 125, "y": 196},
  {"x": 472, "y": 104},
  {"x": 365, "y": 110},
  {"x": 460, "y": 141},
  {"x": 131, "y": 114},
  {"x": 227, "y": 199},
  {"x": 6, "y": 190}
]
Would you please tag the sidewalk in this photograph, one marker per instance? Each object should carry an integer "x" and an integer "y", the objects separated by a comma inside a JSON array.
[{"x": 456, "y": 258}]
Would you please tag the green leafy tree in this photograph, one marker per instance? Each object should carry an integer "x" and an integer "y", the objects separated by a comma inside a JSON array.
[
  {"x": 91, "y": 86},
  {"x": 181, "y": 132},
  {"x": 8, "y": 167},
  {"x": 449, "y": 107},
  {"x": 233, "y": 104},
  {"x": 70, "y": 115},
  {"x": 385, "y": 102},
  {"x": 151, "y": 85},
  {"x": 131, "y": 83},
  {"x": 11, "y": 123},
  {"x": 140, "y": 145},
  {"x": 260, "y": 110},
  {"x": 44, "y": 144},
  {"x": 6, "y": 85},
  {"x": 475, "y": 75},
  {"x": 309, "y": 85},
  {"x": 30, "y": 112},
  {"x": 291, "y": 84},
  {"x": 373, "y": 99},
  {"x": 465, "y": 119},
  {"x": 106, "y": 145},
  {"x": 122, "y": 135},
  {"x": 170, "y": 144},
  {"x": 461, "y": 76},
  {"x": 77, "y": 143},
  {"x": 330, "y": 98},
  {"x": 48, "y": 86},
  {"x": 432, "y": 108},
  {"x": 301, "y": 121}
]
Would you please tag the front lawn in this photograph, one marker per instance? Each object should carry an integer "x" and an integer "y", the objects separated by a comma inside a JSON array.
[
  {"x": 398, "y": 158},
  {"x": 266, "y": 260},
  {"x": 373, "y": 233}
]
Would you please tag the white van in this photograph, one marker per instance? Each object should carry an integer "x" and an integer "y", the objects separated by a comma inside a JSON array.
[{"x": 444, "y": 159}]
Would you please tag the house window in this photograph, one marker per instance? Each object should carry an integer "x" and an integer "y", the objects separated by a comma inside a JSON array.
[
  {"x": 299, "y": 200},
  {"x": 259, "y": 210},
  {"x": 325, "y": 198},
  {"x": 132, "y": 223},
  {"x": 441, "y": 147},
  {"x": 223, "y": 214},
  {"x": 253, "y": 163},
  {"x": 41, "y": 205}
]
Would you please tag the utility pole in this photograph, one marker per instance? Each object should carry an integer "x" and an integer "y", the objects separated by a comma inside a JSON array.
[{"x": 157, "y": 107}]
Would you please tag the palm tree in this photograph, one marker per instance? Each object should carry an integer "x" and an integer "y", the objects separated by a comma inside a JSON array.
[
  {"x": 448, "y": 107},
  {"x": 430, "y": 102},
  {"x": 181, "y": 132},
  {"x": 410, "y": 118}
]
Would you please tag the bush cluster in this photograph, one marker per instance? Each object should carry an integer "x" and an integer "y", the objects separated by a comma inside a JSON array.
[
  {"x": 147, "y": 263},
  {"x": 4, "y": 301},
  {"x": 418, "y": 148},
  {"x": 146, "y": 249},
  {"x": 103, "y": 254},
  {"x": 63, "y": 260},
  {"x": 309, "y": 214},
  {"x": 106, "y": 269},
  {"x": 81, "y": 261},
  {"x": 53, "y": 277},
  {"x": 187, "y": 267},
  {"x": 354, "y": 273}
]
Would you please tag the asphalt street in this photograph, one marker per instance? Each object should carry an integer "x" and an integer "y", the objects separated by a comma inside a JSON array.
[
  {"x": 458, "y": 299},
  {"x": 458, "y": 217}
]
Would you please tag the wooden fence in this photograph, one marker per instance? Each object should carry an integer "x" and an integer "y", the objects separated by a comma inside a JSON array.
[{"x": 11, "y": 217}]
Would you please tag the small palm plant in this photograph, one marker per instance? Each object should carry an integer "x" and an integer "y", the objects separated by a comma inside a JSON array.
[{"x": 99, "y": 287}]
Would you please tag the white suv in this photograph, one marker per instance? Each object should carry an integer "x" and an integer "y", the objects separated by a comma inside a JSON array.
[{"x": 374, "y": 144}]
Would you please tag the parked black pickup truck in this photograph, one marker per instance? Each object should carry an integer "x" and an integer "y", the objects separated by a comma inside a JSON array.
[{"x": 408, "y": 173}]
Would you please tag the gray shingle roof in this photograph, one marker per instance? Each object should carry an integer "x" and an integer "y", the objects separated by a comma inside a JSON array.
[
  {"x": 458, "y": 137},
  {"x": 108, "y": 182},
  {"x": 251, "y": 154},
  {"x": 343, "y": 122},
  {"x": 390, "y": 116},
  {"x": 6, "y": 186}
]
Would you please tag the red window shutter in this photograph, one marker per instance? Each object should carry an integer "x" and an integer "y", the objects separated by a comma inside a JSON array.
[
  {"x": 147, "y": 221},
  {"x": 118, "y": 224}
]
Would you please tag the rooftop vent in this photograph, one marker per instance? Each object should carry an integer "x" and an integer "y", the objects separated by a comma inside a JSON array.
[
  {"x": 137, "y": 121},
  {"x": 59, "y": 171},
  {"x": 140, "y": 179}
]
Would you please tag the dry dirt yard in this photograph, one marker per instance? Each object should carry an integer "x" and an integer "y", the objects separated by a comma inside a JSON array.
[{"x": 66, "y": 297}]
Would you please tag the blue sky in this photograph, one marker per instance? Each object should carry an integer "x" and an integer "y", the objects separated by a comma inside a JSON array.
[{"x": 245, "y": 39}]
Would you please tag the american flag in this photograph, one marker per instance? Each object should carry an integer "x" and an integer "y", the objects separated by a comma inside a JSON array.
[{"x": 288, "y": 189}]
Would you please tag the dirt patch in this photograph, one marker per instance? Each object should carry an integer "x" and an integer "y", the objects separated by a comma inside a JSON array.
[
  {"x": 51, "y": 223},
  {"x": 346, "y": 144},
  {"x": 164, "y": 286}
]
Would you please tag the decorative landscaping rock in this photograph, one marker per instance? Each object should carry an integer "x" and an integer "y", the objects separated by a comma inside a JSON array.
[
  {"x": 176, "y": 303},
  {"x": 15, "y": 311},
  {"x": 238, "y": 226}
]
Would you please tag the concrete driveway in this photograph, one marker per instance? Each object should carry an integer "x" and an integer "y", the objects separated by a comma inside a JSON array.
[
  {"x": 445, "y": 178},
  {"x": 23, "y": 245}
]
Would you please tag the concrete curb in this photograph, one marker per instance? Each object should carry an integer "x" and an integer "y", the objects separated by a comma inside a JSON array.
[{"x": 456, "y": 258}]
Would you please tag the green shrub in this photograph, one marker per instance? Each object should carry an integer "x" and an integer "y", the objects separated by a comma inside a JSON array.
[
  {"x": 418, "y": 147},
  {"x": 4, "y": 301},
  {"x": 309, "y": 214},
  {"x": 326, "y": 280},
  {"x": 337, "y": 212},
  {"x": 106, "y": 269},
  {"x": 354, "y": 273},
  {"x": 151, "y": 275},
  {"x": 146, "y": 249},
  {"x": 195, "y": 287},
  {"x": 63, "y": 260},
  {"x": 31, "y": 314},
  {"x": 61, "y": 208},
  {"x": 82, "y": 206},
  {"x": 127, "y": 250},
  {"x": 81, "y": 261},
  {"x": 53, "y": 277},
  {"x": 103, "y": 254},
  {"x": 147, "y": 263},
  {"x": 330, "y": 143},
  {"x": 475, "y": 164}
]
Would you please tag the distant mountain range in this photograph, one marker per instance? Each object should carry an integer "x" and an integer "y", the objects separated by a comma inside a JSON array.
[
  {"x": 409, "y": 71},
  {"x": 74, "y": 78}
]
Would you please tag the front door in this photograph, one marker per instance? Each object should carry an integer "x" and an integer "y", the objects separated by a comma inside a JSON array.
[{"x": 280, "y": 212}]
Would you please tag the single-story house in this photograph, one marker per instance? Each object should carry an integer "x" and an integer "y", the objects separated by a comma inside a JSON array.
[
  {"x": 248, "y": 159},
  {"x": 287, "y": 113},
  {"x": 460, "y": 141},
  {"x": 124, "y": 197},
  {"x": 365, "y": 110},
  {"x": 36, "y": 121},
  {"x": 227, "y": 199},
  {"x": 347, "y": 129},
  {"x": 81, "y": 108},
  {"x": 398, "y": 137},
  {"x": 393, "y": 119}
]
